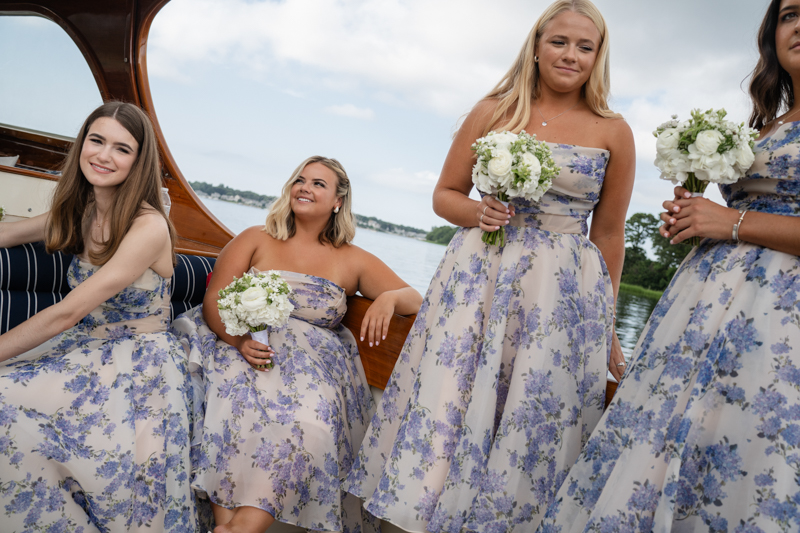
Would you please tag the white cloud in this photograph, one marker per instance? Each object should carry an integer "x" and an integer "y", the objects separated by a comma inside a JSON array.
[
  {"x": 402, "y": 180},
  {"x": 349, "y": 110}
]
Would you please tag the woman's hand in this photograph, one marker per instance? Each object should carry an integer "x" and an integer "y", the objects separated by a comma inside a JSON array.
[
  {"x": 255, "y": 353},
  {"x": 491, "y": 214},
  {"x": 375, "y": 325},
  {"x": 617, "y": 364},
  {"x": 688, "y": 217}
]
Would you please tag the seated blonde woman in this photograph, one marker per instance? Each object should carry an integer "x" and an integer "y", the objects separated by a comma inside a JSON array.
[{"x": 275, "y": 445}]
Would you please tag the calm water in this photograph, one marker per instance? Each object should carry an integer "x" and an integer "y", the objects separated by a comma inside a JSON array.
[{"x": 416, "y": 262}]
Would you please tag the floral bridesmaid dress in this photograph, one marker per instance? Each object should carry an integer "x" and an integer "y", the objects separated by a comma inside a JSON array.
[
  {"x": 704, "y": 431},
  {"x": 503, "y": 375},
  {"x": 95, "y": 423},
  {"x": 283, "y": 441}
]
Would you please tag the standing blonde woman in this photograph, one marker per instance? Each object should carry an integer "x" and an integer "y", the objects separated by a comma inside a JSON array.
[
  {"x": 503, "y": 375},
  {"x": 275, "y": 445}
]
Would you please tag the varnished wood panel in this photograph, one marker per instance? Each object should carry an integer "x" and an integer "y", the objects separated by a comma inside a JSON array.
[{"x": 378, "y": 360}]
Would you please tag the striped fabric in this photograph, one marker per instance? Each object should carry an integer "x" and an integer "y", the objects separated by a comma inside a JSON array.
[{"x": 31, "y": 279}]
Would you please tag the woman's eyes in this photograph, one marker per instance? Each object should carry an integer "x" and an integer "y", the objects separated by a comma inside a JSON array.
[{"x": 788, "y": 16}]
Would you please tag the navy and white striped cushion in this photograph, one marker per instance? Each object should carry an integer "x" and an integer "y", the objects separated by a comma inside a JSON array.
[
  {"x": 31, "y": 280},
  {"x": 189, "y": 282}
]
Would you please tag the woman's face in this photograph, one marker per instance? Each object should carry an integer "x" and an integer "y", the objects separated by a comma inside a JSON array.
[
  {"x": 108, "y": 153},
  {"x": 567, "y": 51},
  {"x": 314, "y": 191},
  {"x": 787, "y": 36}
]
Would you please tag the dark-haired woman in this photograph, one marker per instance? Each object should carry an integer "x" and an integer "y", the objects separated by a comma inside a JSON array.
[
  {"x": 94, "y": 393},
  {"x": 704, "y": 431},
  {"x": 275, "y": 446}
]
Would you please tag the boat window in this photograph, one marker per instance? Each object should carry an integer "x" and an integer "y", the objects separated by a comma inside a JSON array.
[{"x": 45, "y": 82}]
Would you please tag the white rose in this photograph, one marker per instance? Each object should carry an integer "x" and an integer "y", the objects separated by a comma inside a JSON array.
[
  {"x": 533, "y": 164},
  {"x": 254, "y": 299},
  {"x": 745, "y": 157},
  {"x": 503, "y": 139},
  {"x": 500, "y": 164},
  {"x": 668, "y": 141},
  {"x": 707, "y": 142},
  {"x": 482, "y": 181}
]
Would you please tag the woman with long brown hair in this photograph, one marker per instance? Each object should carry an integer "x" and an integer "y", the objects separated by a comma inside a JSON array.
[
  {"x": 703, "y": 433},
  {"x": 275, "y": 444},
  {"x": 503, "y": 375},
  {"x": 94, "y": 393}
]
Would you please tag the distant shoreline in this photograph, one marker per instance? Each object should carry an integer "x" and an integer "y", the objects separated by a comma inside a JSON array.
[{"x": 258, "y": 201}]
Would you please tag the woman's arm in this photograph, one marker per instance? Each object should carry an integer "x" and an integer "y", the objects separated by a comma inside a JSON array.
[
  {"x": 143, "y": 245},
  {"x": 233, "y": 261},
  {"x": 22, "y": 231},
  {"x": 608, "y": 220},
  {"x": 688, "y": 217},
  {"x": 451, "y": 199},
  {"x": 390, "y": 294}
]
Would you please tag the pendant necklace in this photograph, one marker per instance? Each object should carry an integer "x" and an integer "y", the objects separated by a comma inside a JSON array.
[
  {"x": 782, "y": 121},
  {"x": 546, "y": 120}
]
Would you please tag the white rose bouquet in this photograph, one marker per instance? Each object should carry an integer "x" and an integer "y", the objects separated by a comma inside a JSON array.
[
  {"x": 509, "y": 166},
  {"x": 706, "y": 148},
  {"x": 254, "y": 302}
]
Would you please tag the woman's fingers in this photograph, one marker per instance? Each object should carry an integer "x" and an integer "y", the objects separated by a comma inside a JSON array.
[
  {"x": 492, "y": 214},
  {"x": 257, "y": 354}
]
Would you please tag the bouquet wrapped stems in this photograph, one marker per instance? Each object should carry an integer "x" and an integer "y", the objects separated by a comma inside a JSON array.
[
  {"x": 697, "y": 187},
  {"x": 497, "y": 237}
]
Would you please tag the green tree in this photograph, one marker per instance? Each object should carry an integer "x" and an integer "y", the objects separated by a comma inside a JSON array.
[
  {"x": 639, "y": 229},
  {"x": 441, "y": 234},
  {"x": 669, "y": 254}
]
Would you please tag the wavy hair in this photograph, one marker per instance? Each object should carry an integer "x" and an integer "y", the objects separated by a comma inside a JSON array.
[
  {"x": 341, "y": 226},
  {"x": 521, "y": 83},
  {"x": 73, "y": 198},
  {"x": 770, "y": 85}
]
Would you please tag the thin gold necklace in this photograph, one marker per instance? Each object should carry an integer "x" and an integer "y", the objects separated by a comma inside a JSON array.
[
  {"x": 546, "y": 120},
  {"x": 782, "y": 121}
]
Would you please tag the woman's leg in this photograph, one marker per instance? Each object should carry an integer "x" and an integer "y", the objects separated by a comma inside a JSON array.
[{"x": 243, "y": 519}]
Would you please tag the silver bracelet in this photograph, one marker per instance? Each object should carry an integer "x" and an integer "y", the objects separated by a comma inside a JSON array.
[{"x": 735, "y": 232}]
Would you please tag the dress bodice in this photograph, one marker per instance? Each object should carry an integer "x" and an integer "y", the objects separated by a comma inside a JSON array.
[
  {"x": 566, "y": 206},
  {"x": 141, "y": 307},
  {"x": 772, "y": 185},
  {"x": 316, "y": 300}
]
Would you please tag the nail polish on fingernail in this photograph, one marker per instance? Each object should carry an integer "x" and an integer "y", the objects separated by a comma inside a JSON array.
[
  {"x": 687, "y": 195},
  {"x": 672, "y": 221},
  {"x": 377, "y": 343},
  {"x": 383, "y": 338},
  {"x": 672, "y": 241},
  {"x": 370, "y": 344},
  {"x": 362, "y": 339}
]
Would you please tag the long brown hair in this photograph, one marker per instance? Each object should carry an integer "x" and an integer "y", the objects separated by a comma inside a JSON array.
[
  {"x": 521, "y": 83},
  {"x": 770, "y": 85},
  {"x": 73, "y": 199},
  {"x": 341, "y": 226}
]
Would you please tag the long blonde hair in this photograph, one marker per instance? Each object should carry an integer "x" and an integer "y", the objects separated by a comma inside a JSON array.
[
  {"x": 341, "y": 226},
  {"x": 73, "y": 198},
  {"x": 520, "y": 85}
]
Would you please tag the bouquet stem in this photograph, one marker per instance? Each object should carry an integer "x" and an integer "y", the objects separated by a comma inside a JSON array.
[
  {"x": 498, "y": 236},
  {"x": 697, "y": 187},
  {"x": 262, "y": 336}
]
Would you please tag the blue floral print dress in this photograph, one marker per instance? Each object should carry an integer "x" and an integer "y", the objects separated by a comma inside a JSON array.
[
  {"x": 283, "y": 440},
  {"x": 95, "y": 423},
  {"x": 502, "y": 377},
  {"x": 704, "y": 431}
]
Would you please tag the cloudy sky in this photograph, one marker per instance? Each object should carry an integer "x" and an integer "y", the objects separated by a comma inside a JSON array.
[{"x": 245, "y": 90}]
